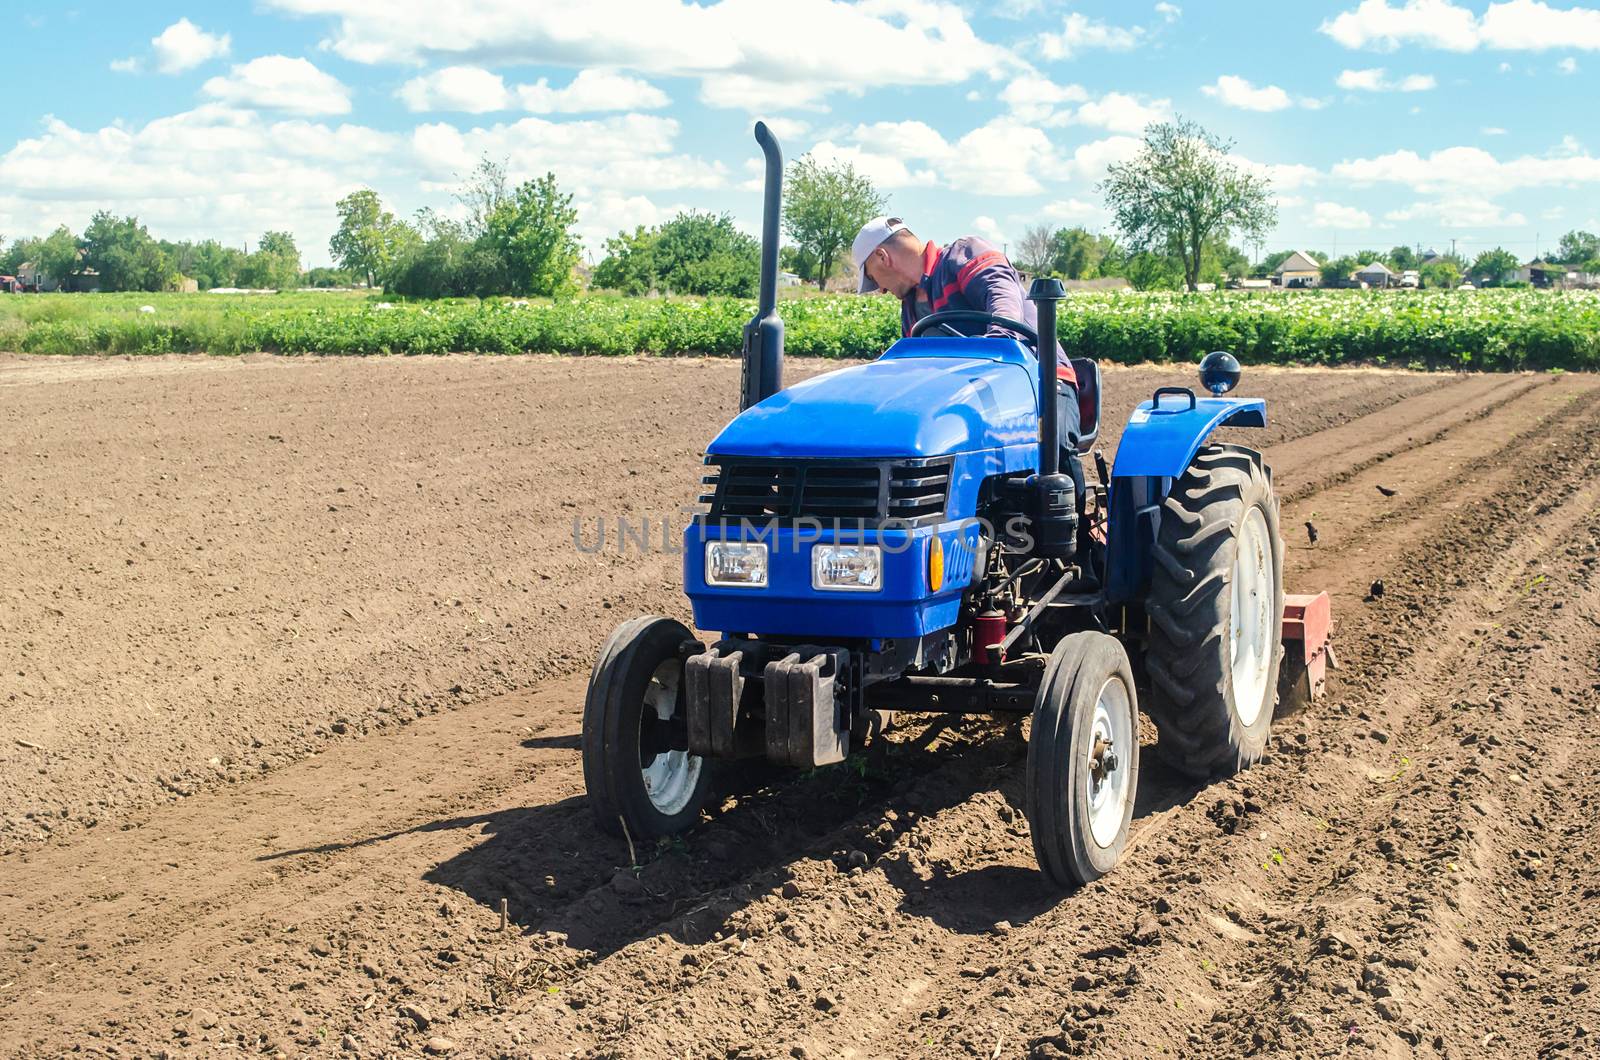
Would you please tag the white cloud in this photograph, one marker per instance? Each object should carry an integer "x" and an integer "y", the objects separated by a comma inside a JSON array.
[
  {"x": 743, "y": 60},
  {"x": 1035, "y": 98},
  {"x": 1089, "y": 161},
  {"x": 989, "y": 228},
  {"x": 787, "y": 129},
  {"x": 1333, "y": 215},
  {"x": 212, "y": 172},
  {"x": 1460, "y": 212},
  {"x": 1568, "y": 65},
  {"x": 1284, "y": 175},
  {"x": 1039, "y": 101},
  {"x": 1377, "y": 80},
  {"x": 1122, "y": 113},
  {"x": 1073, "y": 210},
  {"x": 1512, "y": 25},
  {"x": 1492, "y": 130},
  {"x": 632, "y": 152},
  {"x": 1080, "y": 34},
  {"x": 1237, "y": 92},
  {"x": 1377, "y": 24},
  {"x": 126, "y": 66},
  {"x": 469, "y": 89},
  {"x": 474, "y": 90},
  {"x": 184, "y": 46},
  {"x": 1473, "y": 169},
  {"x": 1002, "y": 157},
  {"x": 590, "y": 91},
  {"x": 602, "y": 215},
  {"x": 277, "y": 82},
  {"x": 1170, "y": 12}
]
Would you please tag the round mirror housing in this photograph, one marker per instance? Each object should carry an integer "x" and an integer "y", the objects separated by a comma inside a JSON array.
[{"x": 1219, "y": 372}]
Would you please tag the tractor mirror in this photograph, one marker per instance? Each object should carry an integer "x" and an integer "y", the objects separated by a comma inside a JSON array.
[{"x": 1219, "y": 372}]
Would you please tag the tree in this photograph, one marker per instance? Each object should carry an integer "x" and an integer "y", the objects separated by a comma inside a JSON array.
[
  {"x": 1074, "y": 253},
  {"x": 368, "y": 235},
  {"x": 1149, "y": 270},
  {"x": 213, "y": 265},
  {"x": 124, "y": 255},
  {"x": 21, "y": 252},
  {"x": 799, "y": 261},
  {"x": 824, "y": 208},
  {"x": 704, "y": 254},
  {"x": 58, "y": 255},
  {"x": 482, "y": 193},
  {"x": 1444, "y": 274},
  {"x": 275, "y": 263},
  {"x": 1180, "y": 190},
  {"x": 1578, "y": 248},
  {"x": 630, "y": 264},
  {"x": 1033, "y": 253},
  {"x": 1493, "y": 268},
  {"x": 1337, "y": 272},
  {"x": 441, "y": 262},
  {"x": 1403, "y": 258},
  {"x": 531, "y": 229}
]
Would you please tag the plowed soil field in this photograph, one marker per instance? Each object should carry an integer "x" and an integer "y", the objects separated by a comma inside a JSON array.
[{"x": 292, "y": 661}]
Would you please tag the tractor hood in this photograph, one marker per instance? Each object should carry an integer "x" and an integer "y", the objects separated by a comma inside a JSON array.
[{"x": 922, "y": 398}]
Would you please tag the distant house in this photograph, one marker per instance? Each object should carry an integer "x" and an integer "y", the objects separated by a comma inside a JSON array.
[
  {"x": 1433, "y": 257},
  {"x": 10, "y": 285},
  {"x": 1298, "y": 270},
  {"x": 34, "y": 279},
  {"x": 1249, "y": 283},
  {"x": 789, "y": 279},
  {"x": 1376, "y": 274}
]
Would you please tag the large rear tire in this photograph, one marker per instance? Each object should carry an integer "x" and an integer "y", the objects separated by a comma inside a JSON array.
[
  {"x": 636, "y": 766},
  {"x": 1216, "y": 614},
  {"x": 1083, "y": 759}
]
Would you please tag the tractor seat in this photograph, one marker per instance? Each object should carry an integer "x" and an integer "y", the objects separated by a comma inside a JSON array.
[{"x": 1088, "y": 373}]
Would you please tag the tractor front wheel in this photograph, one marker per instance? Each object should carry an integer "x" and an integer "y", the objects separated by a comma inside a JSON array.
[
  {"x": 642, "y": 780},
  {"x": 1083, "y": 759},
  {"x": 1216, "y": 614}
]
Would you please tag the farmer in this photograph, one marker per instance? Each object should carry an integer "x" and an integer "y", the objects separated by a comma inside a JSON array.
[{"x": 968, "y": 274}]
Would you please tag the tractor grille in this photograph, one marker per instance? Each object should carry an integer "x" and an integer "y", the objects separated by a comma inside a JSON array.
[{"x": 871, "y": 491}]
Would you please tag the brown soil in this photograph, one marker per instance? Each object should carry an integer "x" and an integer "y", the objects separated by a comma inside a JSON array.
[{"x": 295, "y": 653}]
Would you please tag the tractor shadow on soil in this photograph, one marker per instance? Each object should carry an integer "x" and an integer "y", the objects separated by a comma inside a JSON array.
[
  {"x": 974, "y": 901},
  {"x": 559, "y": 874}
]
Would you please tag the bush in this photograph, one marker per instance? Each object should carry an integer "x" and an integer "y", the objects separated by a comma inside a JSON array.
[{"x": 1482, "y": 330}]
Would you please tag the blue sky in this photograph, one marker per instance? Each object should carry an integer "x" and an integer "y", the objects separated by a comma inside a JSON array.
[{"x": 1379, "y": 121}]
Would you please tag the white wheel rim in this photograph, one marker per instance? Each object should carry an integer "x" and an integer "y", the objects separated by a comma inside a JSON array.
[
  {"x": 670, "y": 778},
  {"x": 1250, "y": 626},
  {"x": 1110, "y": 737}
]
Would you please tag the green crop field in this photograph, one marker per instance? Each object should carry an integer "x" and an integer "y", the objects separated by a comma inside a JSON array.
[{"x": 1489, "y": 330}]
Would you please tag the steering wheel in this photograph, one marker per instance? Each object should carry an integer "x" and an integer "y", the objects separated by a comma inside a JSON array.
[{"x": 947, "y": 316}]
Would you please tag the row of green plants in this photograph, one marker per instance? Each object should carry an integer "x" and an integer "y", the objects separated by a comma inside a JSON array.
[{"x": 1487, "y": 330}]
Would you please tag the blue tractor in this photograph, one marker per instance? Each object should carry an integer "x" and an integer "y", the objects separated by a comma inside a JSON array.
[{"x": 899, "y": 536}]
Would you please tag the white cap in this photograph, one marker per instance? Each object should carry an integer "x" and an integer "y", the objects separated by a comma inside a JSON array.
[{"x": 870, "y": 238}]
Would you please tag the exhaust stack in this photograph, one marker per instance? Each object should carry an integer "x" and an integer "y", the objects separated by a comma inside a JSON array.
[{"x": 763, "y": 335}]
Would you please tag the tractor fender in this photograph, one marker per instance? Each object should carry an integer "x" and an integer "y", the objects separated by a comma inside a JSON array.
[
  {"x": 1157, "y": 446},
  {"x": 1163, "y": 435}
]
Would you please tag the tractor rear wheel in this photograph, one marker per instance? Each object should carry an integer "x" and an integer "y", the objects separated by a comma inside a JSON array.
[
  {"x": 1083, "y": 759},
  {"x": 642, "y": 780},
  {"x": 1216, "y": 614}
]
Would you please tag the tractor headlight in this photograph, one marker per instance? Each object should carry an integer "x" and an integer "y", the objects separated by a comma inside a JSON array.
[
  {"x": 858, "y": 568},
  {"x": 739, "y": 563}
]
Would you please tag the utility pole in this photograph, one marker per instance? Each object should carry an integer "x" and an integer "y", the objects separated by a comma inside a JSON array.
[{"x": 1452, "y": 246}]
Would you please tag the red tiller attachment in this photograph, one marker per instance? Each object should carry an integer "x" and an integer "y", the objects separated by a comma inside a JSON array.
[{"x": 1307, "y": 653}]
